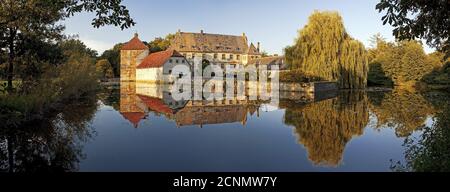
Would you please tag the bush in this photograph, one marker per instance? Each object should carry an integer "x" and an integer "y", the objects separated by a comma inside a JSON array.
[
  {"x": 297, "y": 76},
  {"x": 439, "y": 76},
  {"x": 74, "y": 78}
]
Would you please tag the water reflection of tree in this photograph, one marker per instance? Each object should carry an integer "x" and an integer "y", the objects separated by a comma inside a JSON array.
[
  {"x": 403, "y": 110},
  {"x": 110, "y": 96},
  {"x": 325, "y": 127},
  {"x": 431, "y": 150},
  {"x": 51, "y": 143}
]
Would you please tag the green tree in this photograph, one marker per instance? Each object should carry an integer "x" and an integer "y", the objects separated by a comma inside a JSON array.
[
  {"x": 160, "y": 44},
  {"x": 403, "y": 62},
  {"x": 113, "y": 56},
  {"x": 37, "y": 21},
  {"x": 323, "y": 48},
  {"x": 419, "y": 19},
  {"x": 104, "y": 69},
  {"x": 75, "y": 77}
]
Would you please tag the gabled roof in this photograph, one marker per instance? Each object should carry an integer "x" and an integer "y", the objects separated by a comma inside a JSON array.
[
  {"x": 156, "y": 104},
  {"x": 252, "y": 50},
  {"x": 209, "y": 43},
  {"x": 158, "y": 59},
  {"x": 134, "y": 44},
  {"x": 133, "y": 117}
]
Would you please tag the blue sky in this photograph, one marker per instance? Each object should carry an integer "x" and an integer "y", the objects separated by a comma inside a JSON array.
[{"x": 274, "y": 23}]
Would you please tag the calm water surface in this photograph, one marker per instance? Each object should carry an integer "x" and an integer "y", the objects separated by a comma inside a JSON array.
[{"x": 139, "y": 128}]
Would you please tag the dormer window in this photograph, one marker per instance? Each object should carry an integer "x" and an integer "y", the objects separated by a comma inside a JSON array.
[{"x": 170, "y": 61}]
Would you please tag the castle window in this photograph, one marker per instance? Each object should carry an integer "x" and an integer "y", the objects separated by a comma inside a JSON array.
[
  {"x": 213, "y": 74},
  {"x": 215, "y": 56},
  {"x": 231, "y": 56},
  {"x": 176, "y": 60},
  {"x": 223, "y": 56},
  {"x": 203, "y": 56},
  {"x": 170, "y": 71},
  {"x": 170, "y": 60},
  {"x": 193, "y": 56},
  {"x": 182, "y": 61},
  {"x": 238, "y": 57}
]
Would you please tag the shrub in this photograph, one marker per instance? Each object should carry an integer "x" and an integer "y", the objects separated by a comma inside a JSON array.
[{"x": 293, "y": 76}]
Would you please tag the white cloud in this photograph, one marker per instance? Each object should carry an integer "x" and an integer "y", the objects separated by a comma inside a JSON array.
[{"x": 99, "y": 46}]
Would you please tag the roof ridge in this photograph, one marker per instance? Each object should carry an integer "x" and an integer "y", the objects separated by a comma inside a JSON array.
[
  {"x": 134, "y": 44},
  {"x": 210, "y": 34}
]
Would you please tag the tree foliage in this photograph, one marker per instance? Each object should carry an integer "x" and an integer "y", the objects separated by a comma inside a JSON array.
[
  {"x": 30, "y": 28},
  {"x": 419, "y": 19},
  {"x": 104, "y": 69},
  {"x": 160, "y": 44},
  {"x": 113, "y": 57},
  {"x": 324, "y": 48},
  {"x": 402, "y": 62}
]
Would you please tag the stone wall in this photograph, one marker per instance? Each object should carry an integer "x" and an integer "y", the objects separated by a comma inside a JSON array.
[{"x": 129, "y": 59}]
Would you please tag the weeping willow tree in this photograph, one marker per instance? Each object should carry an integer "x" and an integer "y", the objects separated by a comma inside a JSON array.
[
  {"x": 324, "y": 128},
  {"x": 323, "y": 48}
]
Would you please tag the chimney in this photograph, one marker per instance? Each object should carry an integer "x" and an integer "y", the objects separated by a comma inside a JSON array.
[
  {"x": 179, "y": 30},
  {"x": 136, "y": 34},
  {"x": 257, "y": 47},
  {"x": 201, "y": 31},
  {"x": 243, "y": 34}
]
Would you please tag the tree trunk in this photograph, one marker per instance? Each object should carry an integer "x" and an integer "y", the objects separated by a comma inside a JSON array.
[{"x": 10, "y": 72}]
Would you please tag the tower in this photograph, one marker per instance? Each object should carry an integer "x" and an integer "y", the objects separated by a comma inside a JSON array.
[{"x": 131, "y": 54}]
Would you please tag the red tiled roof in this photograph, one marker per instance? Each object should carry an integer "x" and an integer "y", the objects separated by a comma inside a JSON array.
[
  {"x": 133, "y": 117},
  {"x": 158, "y": 59},
  {"x": 134, "y": 44},
  {"x": 156, "y": 104}
]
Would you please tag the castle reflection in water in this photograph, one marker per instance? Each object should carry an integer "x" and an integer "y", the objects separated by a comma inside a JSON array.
[
  {"x": 324, "y": 123},
  {"x": 343, "y": 130},
  {"x": 138, "y": 99}
]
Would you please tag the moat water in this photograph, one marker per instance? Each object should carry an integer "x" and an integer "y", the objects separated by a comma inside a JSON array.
[{"x": 130, "y": 128}]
